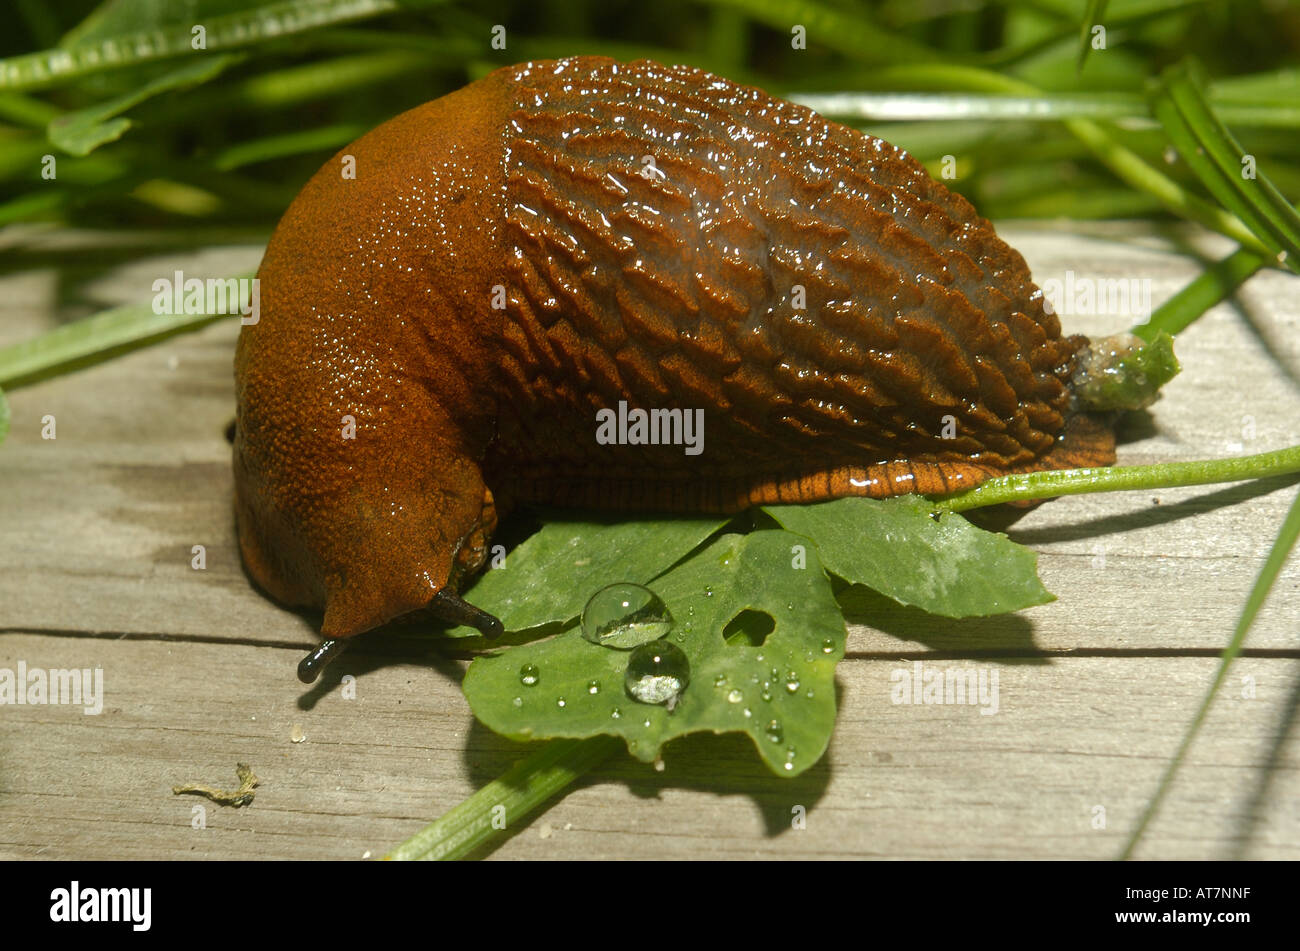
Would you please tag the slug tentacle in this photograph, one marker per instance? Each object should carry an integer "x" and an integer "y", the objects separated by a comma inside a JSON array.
[{"x": 519, "y": 269}]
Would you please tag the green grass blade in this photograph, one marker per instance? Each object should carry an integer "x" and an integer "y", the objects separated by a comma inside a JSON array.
[
  {"x": 1215, "y": 283},
  {"x": 1125, "y": 163},
  {"x": 95, "y": 338},
  {"x": 853, "y": 34},
  {"x": 1268, "y": 574},
  {"x": 324, "y": 139},
  {"x": 83, "y": 131},
  {"x": 1179, "y": 102},
  {"x": 243, "y": 28},
  {"x": 518, "y": 792},
  {"x": 1130, "y": 108},
  {"x": 1091, "y": 17}
]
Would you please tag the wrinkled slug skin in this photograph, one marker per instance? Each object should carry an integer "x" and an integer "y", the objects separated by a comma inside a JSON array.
[{"x": 652, "y": 231}]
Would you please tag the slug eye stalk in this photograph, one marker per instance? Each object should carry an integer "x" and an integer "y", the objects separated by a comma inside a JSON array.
[
  {"x": 309, "y": 667},
  {"x": 445, "y": 606}
]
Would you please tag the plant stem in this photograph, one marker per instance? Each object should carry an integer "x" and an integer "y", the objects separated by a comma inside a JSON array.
[
  {"x": 1277, "y": 556},
  {"x": 522, "y": 789},
  {"x": 1042, "y": 485},
  {"x": 1215, "y": 283}
]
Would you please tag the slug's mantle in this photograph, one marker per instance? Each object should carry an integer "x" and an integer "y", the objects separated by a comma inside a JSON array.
[{"x": 439, "y": 333}]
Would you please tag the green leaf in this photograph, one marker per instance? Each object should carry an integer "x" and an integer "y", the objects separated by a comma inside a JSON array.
[
  {"x": 550, "y": 575},
  {"x": 945, "y": 566},
  {"x": 4, "y": 416},
  {"x": 1178, "y": 101},
  {"x": 81, "y": 132},
  {"x": 782, "y": 688}
]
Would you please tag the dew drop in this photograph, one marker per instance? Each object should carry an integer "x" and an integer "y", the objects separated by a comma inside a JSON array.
[
  {"x": 518, "y": 701},
  {"x": 560, "y": 702},
  {"x": 616, "y": 714},
  {"x": 735, "y": 696},
  {"x": 624, "y": 615},
  {"x": 656, "y": 673},
  {"x": 593, "y": 686},
  {"x": 748, "y": 712},
  {"x": 775, "y": 732},
  {"x": 720, "y": 680},
  {"x": 792, "y": 682},
  {"x": 766, "y": 695},
  {"x": 828, "y": 646},
  {"x": 529, "y": 675}
]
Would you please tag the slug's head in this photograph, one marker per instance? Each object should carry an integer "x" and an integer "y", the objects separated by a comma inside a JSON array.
[
  {"x": 361, "y": 409},
  {"x": 345, "y": 518}
]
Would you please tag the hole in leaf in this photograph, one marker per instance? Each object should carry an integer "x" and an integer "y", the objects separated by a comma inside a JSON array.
[{"x": 749, "y": 628}]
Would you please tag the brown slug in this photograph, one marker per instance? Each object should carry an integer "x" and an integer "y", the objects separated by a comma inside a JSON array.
[{"x": 443, "y": 334}]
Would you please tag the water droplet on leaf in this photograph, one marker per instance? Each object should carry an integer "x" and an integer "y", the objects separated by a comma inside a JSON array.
[
  {"x": 624, "y": 615},
  {"x": 529, "y": 675},
  {"x": 657, "y": 672}
]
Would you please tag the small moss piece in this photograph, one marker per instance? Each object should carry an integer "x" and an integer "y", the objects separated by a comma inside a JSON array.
[
  {"x": 1122, "y": 372},
  {"x": 242, "y": 796}
]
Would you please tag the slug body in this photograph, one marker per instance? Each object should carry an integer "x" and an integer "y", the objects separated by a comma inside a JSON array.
[{"x": 516, "y": 258}]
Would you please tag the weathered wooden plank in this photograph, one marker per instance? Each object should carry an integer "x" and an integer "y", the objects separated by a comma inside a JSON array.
[
  {"x": 100, "y": 523},
  {"x": 98, "y": 527},
  {"x": 900, "y": 780}
]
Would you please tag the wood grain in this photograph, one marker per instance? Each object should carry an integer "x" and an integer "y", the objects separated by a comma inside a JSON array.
[{"x": 1095, "y": 689}]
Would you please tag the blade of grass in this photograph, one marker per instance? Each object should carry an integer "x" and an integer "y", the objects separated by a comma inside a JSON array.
[
  {"x": 518, "y": 792},
  {"x": 1128, "y": 165},
  {"x": 1129, "y": 108},
  {"x": 853, "y": 34},
  {"x": 324, "y": 139},
  {"x": 1091, "y": 17},
  {"x": 83, "y": 131},
  {"x": 1268, "y": 574},
  {"x": 1215, "y": 283},
  {"x": 86, "y": 341},
  {"x": 244, "y": 28},
  {"x": 1210, "y": 151}
]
